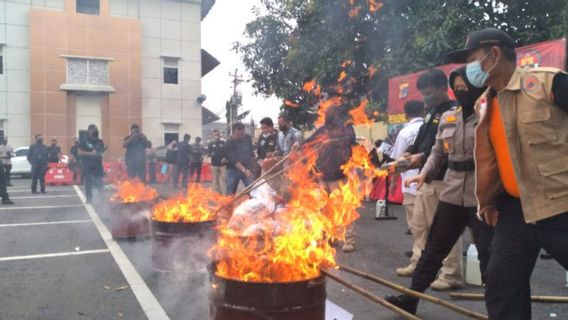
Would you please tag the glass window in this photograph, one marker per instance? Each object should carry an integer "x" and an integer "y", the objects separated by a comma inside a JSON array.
[
  {"x": 88, "y": 6},
  {"x": 87, "y": 71},
  {"x": 22, "y": 152},
  {"x": 171, "y": 70}
]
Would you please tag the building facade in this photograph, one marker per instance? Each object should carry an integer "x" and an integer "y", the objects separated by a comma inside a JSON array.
[{"x": 68, "y": 63}]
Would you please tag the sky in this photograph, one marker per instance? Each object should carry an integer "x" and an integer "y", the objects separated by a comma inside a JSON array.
[{"x": 224, "y": 25}]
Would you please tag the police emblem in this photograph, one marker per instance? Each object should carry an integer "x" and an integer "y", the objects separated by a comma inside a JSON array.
[
  {"x": 529, "y": 59},
  {"x": 530, "y": 83},
  {"x": 403, "y": 88}
]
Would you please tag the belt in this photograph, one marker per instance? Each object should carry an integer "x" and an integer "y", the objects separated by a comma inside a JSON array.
[{"x": 462, "y": 166}]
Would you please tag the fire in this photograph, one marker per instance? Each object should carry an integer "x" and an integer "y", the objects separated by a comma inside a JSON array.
[
  {"x": 342, "y": 76},
  {"x": 296, "y": 244},
  {"x": 309, "y": 86},
  {"x": 131, "y": 191},
  {"x": 324, "y": 106},
  {"x": 200, "y": 205},
  {"x": 372, "y": 70},
  {"x": 374, "y": 6},
  {"x": 359, "y": 115}
]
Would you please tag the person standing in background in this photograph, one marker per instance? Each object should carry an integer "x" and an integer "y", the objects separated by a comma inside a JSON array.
[
  {"x": 135, "y": 157},
  {"x": 6, "y": 154},
  {"x": 151, "y": 156},
  {"x": 53, "y": 152},
  {"x": 91, "y": 151},
  {"x": 74, "y": 162},
  {"x": 216, "y": 151},
  {"x": 268, "y": 140},
  {"x": 196, "y": 164},
  {"x": 37, "y": 157},
  {"x": 182, "y": 162},
  {"x": 241, "y": 163}
]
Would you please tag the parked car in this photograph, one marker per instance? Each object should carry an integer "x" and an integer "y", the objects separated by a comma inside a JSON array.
[{"x": 20, "y": 164}]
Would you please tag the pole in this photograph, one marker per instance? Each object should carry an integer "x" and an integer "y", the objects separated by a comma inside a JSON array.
[{"x": 481, "y": 296}]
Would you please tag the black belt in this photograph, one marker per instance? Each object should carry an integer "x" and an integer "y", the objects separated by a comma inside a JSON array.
[{"x": 462, "y": 166}]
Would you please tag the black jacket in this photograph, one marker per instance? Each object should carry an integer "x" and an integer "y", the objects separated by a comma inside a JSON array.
[
  {"x": 37, "y": 154},
  {"x": 266, "y": 145},
  {"x": 183, "y": 153},
  {"x": 241, "y": 151},
  {"x": 216, "y": 150}
]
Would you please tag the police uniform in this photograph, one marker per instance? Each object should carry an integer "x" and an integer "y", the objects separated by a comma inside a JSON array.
[
  {"x": 457, "y": 207},
  {"x": 216, "y": 150}
]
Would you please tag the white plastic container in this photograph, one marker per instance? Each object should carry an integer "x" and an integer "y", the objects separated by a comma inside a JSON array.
[
  {"x": 472, "y": 272},
  {"x": 380, "y": 209}
]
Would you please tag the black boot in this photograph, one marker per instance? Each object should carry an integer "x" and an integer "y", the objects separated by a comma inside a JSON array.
[
  {"x": 406, "y": 303},
  {"x": 7, "y": 201}
]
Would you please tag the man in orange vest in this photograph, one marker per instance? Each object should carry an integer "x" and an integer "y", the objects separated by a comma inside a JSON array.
[{"x": 521, "y": 166}]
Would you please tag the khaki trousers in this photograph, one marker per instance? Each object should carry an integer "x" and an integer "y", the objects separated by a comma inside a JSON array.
[
  {"x": 424, "y": 207},
  {"x": 408, "y": 204},
  {"x": 219, "y": 179}
]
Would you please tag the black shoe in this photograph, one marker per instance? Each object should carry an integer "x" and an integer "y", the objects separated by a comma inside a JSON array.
[
  {"x": 406, "y": 303},
  {"x": 408, "y": 254},
  {"x": 35, "y": 192},
  {"x": 10, "y": 185},
  {"x": 44, "y": 192},
  {"x": 7, "y": 201}
]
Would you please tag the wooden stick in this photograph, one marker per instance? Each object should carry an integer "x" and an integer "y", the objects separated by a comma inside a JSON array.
[
  {"x": 415, "y": 294},
  {"x": 481, "y": 296},
  {"x": 266, "y": 173},
  {"x": 371, "y": 296}
]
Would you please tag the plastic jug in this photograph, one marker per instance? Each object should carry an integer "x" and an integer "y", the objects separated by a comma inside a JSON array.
[
  {"x": 472, "y": 272},
  {"x": 380, "y": 209}
]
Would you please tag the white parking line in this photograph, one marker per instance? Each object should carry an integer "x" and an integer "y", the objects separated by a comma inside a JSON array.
[
  {"x": 43, "y": 223},
  {"x": 41, "y": 207},
  {"x": 52, "y": 255},
  {"x": 46, "y": 196},
  {"x": 146, "y": 299}
]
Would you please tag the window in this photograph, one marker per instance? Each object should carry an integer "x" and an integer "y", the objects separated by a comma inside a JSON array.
[
  {"x": 171, "y": 70},
  {"x": 88, "y": 6},
  {"x": 1, "y": 59},
  {"x": 87, "y": 71},
  {"x": 22, "y": 152}
]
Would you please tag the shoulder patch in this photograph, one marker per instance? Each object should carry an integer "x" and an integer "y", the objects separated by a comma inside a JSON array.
[
  {"x": 451, "y": 118},
  {"x": 530, "y": 83}
]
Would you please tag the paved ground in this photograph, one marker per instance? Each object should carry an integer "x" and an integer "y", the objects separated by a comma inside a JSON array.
[{"x": 73, "y": 287}]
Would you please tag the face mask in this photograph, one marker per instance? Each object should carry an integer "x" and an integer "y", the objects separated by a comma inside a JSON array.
[
  {"x": 466, "y": 99},
  {"x": 475, "y": 74}
]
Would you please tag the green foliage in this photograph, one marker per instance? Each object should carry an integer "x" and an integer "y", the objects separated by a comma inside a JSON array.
[{"x": 292, "y": 41}]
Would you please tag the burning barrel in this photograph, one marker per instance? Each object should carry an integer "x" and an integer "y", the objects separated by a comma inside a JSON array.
[
  {"x": 238, "y": 300},
  {"x": 129, "y": 210},
  {"x": 178, "y": 246}
]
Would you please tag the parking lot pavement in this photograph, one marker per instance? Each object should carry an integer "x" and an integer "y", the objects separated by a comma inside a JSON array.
[{"x": 54, "y": 263}]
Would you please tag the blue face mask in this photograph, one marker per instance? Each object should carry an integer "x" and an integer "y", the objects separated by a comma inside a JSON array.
[{"x": 475, "y": 74}]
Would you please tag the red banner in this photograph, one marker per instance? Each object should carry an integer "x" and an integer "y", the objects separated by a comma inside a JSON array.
[{"x": 403, "y": 88}]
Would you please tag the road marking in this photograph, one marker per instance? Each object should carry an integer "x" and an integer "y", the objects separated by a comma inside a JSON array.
[
  {"x": 28, "y": 189},
  {"x": 43, "y": 223},
  {"x": 146, "y": 299},
  {"x": 45, "y": 197},
  {"x": 41, "y": 207},
  {"x": 52, "y": 255}
]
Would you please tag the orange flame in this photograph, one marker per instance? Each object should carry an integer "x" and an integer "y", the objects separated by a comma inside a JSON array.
[
  {"x": 374, "y": 5},
  {"x": 342, "y": 76},
  {"x": 131, "y": 191},
  {"x": 359, "y": 114},
  {"x": 309, "y": 86},
  {"x": 324, "y": 106},
  {"x": 372, "y": 71},
  {"x": 199, "y": 205}
]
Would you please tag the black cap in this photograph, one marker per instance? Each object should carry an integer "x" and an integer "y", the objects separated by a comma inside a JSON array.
[{"x": 488, "y": 37}]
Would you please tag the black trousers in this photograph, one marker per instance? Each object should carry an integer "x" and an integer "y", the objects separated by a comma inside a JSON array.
[
  {"x": 136, "y": 169},
  {"x": 93, "y": 180},
  {"x": 514, "y": 252},
  {"x": 152, "y": 172},
  {"x": 8, "y": 170},
  {"x": 448, "y": 225},
  {"x": 38, "y": 173},
  {"x": 3, "y": 185},
  {"x": 195, "y": 167},
  {"x": 179, "y": 170}
]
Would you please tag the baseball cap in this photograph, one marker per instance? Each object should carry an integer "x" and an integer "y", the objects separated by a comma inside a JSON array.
[{"x": 488, "y": 37}]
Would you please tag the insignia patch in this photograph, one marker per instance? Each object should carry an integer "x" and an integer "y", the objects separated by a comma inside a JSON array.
[
  {"x": 427, "y": 119},
  {"x": 436, "y": 121},
  {"x": 530, "y": 83},
  {"x": 446, "y": 146},
  {"x": 451, "y": 118}
]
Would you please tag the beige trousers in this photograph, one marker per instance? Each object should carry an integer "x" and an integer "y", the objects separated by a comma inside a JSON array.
[
  {"x": 219, "y": 179},
  {"x": 408, "y": 204},
  {"x": 426, "y": 201}
]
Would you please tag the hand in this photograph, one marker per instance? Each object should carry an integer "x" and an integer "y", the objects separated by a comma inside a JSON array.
[
  {"x": 248, "y": 173},
  {"x": 415, "y": 161},
  {"x": 490, "y": 215},
  {"x": 296, "y": 146},
  {"x": 419, "y": 180}
]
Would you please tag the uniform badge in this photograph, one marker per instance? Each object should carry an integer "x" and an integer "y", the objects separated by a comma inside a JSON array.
[
  {"x": 446, "y": 146},
  {"x": 403, "y": 90},
  {"x": 427, "y": 119},
  {"x": 451, "y": 118},
  {"x": 530, "y": 83}
]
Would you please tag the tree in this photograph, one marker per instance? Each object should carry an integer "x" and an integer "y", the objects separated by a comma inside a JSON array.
[{"x": 293, "y": 41}]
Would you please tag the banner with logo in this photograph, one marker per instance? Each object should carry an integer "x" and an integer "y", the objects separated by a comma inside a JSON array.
[{"x": 403, "y": 88}]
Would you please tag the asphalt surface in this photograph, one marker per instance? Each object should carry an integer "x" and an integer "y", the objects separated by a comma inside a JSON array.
[{"x": 75, "y": 287}]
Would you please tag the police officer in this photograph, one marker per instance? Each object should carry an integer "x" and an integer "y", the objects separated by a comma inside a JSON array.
[
  {"x": 135, "y": 158},
  {"x": 91, "y": 151},
  {"x": 37, "y": 157},
  {"x": 521, "y": 157},
  {"x": 457, "y": 207},
  {"x": 433, "y": 86},
  {"x": 216, "y": 151}
]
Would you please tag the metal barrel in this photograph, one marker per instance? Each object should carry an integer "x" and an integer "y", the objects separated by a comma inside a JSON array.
[
  {"x": 130, "y": 220},
  {"x": 181, "y": 247},
  {"x": 238, "y": 300}
]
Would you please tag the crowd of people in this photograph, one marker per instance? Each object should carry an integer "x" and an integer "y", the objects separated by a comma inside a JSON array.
[{"x": 493, "y": 160}]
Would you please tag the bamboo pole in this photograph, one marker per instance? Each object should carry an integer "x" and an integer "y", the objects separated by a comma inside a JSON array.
[
  {"x": 415, "y": 294},
  {"x": 481, "y": 296},
  {"x": 371, "y": 296}
]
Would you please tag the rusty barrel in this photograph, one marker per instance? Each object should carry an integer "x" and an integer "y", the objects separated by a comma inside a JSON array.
[
  {"x": 181, "y": 247},
  {"x": 130, "y": 220},
  {"x": 238, "y": 300}
]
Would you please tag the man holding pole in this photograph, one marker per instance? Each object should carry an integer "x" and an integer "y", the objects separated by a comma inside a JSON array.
[{"x": 521, "y": 158}]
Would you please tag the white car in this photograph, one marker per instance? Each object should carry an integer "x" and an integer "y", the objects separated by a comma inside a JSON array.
[{"x": 20, "y": 164}]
